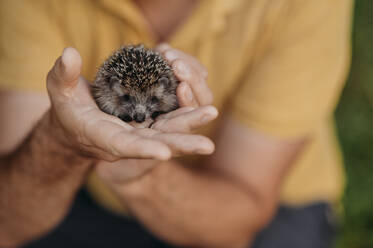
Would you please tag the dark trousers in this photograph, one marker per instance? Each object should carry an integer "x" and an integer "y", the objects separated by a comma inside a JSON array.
[{"x": 88, "y": 225}]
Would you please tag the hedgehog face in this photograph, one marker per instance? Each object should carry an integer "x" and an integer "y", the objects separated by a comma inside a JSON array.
[
  {"x": 132, "y": 104},
  {"x": 135, "y": 84}
]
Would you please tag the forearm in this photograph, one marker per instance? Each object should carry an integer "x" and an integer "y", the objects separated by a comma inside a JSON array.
[
  {"x": 197, "y": 208},
  {"x": 38, "y": 182}
]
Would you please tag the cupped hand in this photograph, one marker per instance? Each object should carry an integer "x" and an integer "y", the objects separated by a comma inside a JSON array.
[
  {"x": 77, "y": 122},
  {"x": 193, "y": 89}
]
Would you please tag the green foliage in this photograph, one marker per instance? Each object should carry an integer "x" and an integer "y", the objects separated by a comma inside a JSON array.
[{"x": 355, "y": 128}]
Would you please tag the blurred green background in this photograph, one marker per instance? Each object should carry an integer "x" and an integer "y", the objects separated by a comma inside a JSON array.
[{"x": 355, "y": 128}]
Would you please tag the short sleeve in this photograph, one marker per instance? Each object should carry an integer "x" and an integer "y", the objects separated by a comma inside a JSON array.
[
  {"x": 295, "y": 84},
  {"x": 30, "y": 42}
]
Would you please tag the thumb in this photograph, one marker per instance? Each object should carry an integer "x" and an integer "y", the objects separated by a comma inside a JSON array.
[{"x": 66, "y": 71}]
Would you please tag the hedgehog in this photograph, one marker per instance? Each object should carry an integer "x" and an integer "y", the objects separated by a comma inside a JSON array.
[{"x": 135, "y": 83}]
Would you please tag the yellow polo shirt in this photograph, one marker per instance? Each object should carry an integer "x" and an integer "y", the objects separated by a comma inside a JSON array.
[{"x": 275, "y": 65}]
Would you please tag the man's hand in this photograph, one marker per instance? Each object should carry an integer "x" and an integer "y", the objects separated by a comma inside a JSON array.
[{"x": 83, "y": 127}]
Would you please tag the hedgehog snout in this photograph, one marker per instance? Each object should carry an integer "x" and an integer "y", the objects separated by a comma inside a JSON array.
[
  {"x": 139, "y": 117},
  {"x": 139, "y": 113}
]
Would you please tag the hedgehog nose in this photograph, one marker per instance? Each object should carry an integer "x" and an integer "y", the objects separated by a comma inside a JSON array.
[{"x": 139, "y": 117}]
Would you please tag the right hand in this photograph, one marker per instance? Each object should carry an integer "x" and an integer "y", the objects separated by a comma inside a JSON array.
[{"x": 77, "y": 122}]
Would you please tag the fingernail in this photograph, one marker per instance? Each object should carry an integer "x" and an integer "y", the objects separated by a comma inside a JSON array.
[{"x": 65, "y": 56}]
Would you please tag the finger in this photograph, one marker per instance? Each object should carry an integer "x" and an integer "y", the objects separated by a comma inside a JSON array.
[
  {"x": 176, "y": 112},
  {"x": 123, "y": 142},
  {"x": 186, "y": 144},
  {"x": 185, "y": 95},
  {"x": 197, "y": 83},
  {"x": 180, "y": 144},
  {"x": 133, "y": 146},
  {"x": 185, "y": 123},
  {"x": 190, "y": 70},
  {"x": 172, "y": 54},
  {"x": 66, "y": 71}
]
